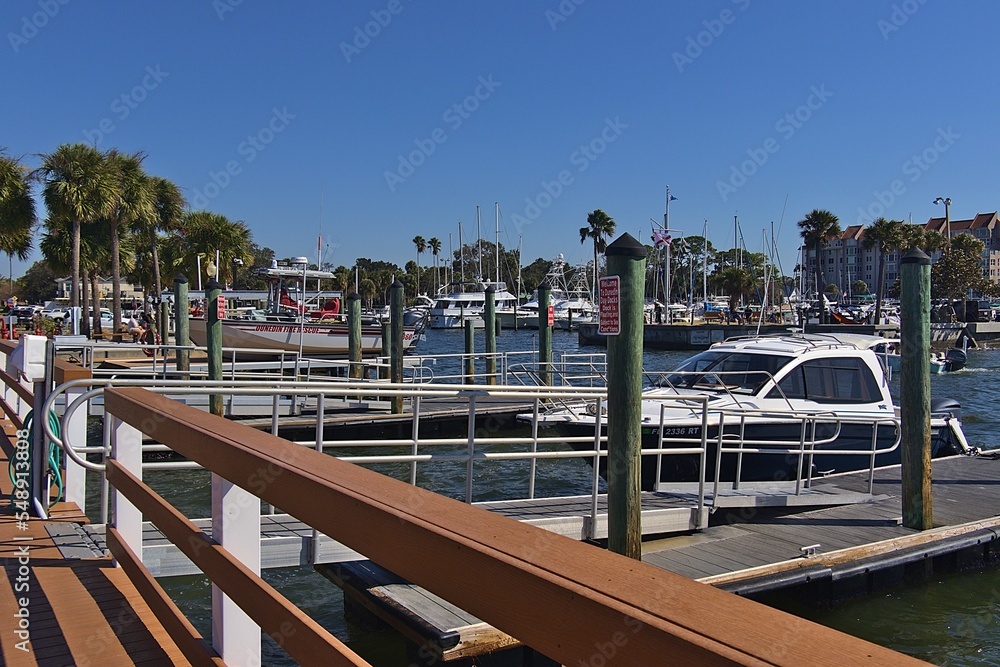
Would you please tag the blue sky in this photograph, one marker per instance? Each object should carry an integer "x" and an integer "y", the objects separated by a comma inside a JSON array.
[{"x": 371, "y": 122}]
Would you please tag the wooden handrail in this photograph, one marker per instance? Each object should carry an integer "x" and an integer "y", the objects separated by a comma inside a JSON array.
[
  {"x": 299, "y": 635},
  {"x": 568, "y": 600},
  {"x": 195, "y": 648}
]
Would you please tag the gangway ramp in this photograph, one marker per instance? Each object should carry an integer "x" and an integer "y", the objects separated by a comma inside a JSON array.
[{"x": 768, "y": 494}]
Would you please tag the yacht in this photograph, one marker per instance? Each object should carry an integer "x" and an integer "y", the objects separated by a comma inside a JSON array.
[
  {"x": 785, "y": 407},
  {"x": 466, "y": 301}
]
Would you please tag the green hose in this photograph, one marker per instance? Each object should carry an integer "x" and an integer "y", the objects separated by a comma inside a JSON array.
[{"x": 54, "y": 456}]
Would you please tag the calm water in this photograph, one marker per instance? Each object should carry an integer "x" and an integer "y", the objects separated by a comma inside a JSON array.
[{"x": 951, "y": 620}]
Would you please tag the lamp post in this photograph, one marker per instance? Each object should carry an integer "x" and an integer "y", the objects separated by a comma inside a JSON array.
[
  {"x": 304, "y": 261},
  {"x": 947, "y": 216},
  {"x": 236, "y": 262}
]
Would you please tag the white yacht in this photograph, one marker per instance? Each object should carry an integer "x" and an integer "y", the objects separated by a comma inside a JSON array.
[{"x": 466, "y": 301}]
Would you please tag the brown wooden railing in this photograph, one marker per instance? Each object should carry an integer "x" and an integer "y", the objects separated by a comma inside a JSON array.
[{"x": 570, "y": 601}]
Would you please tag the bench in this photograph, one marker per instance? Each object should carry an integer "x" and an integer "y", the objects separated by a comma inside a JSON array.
[{"x": 714, "y": 317}]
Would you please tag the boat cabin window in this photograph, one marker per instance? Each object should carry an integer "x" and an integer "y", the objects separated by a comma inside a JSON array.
[
  {"x": 735, "y": 371},
  {"x": 842, "y": 380}
]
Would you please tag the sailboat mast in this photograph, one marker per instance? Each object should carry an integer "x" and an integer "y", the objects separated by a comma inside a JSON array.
[
  {"x": 496, "y": 251},
  {"x": 461, "y": 251},
  {"x": 479, "y": 245},
  {"x": 704, "y": 265}
]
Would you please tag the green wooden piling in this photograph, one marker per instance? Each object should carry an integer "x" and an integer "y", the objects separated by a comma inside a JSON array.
[
  {"x": 626, "y": 259},
  {"x": 470, "y": 350},
  {"x": 490, "y": 328},
  {"x": 354, "y": 335},
  {"x": 915, "y": 388},
  {"x": 214, "y": 334},
  {"x": 396, "y": 353},
  {"x": 181, "y": 325},
  {"x": 544, "y": 334}
]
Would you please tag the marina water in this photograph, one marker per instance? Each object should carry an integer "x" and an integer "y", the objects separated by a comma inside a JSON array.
[{"x": 949, "y": 620}]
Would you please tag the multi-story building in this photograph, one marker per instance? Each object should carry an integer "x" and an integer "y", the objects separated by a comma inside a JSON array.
[{"x": 844, "y": 260}]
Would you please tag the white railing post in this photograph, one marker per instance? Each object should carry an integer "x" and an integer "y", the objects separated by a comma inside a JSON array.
[
  {"x": 75, "y": 433},
  {"x": 235, "y": 526},
  {"x": 126, "y": 449}
]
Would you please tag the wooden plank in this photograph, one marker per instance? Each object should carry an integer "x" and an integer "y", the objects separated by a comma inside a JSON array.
[
  {"x": 298, "y": 634},
  {"x": 196, "y": 649}
]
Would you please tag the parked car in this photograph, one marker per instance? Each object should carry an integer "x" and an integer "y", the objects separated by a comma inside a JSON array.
[
  {"x": 24, "y": 313},
  {"x": 55, "y": 312}
]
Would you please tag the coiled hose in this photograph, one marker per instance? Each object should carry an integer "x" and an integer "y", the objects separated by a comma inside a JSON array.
[{"x": 54, "y": 457}]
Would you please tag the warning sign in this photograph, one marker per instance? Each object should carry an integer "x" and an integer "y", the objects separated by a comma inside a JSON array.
[
  {"x": 609, "y": 314},
  {"x": 220, "y": 307},
  {"x": 551, "y": 315}
]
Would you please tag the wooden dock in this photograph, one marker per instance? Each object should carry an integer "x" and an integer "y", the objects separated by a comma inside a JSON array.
[
  {"x": 77, "y": 611},
  {"x": 839, "y": 551}
]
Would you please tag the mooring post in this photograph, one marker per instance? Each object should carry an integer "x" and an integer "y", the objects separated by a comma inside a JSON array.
[
  {"x": 625, "y": 283},
  {"x": 544, "y": 334},
  {"x": 213, "y": 330},
  {"x": 490, "y": 328},
  {"x": 396, "y": 355},
  {"x": 354, "y": 335},
  {"x": 470, "y": 351},
  {"x": 383, "y": 370},
  {"x": 181, "y": 324},
  {"x": 915, "y": 388}
]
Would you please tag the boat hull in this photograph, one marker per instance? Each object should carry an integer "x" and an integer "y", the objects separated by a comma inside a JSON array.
[{"x": 318, "y": 339}]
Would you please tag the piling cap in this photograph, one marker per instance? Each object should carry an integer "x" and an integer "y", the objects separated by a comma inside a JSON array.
[
  {"x": 180, "y": 278},
  {"x": 213, "y": 284},
  {"x": 915, "y": 256},
  {"x": 396, "y": 284},
  {"x": 353, "y": 296},
  {"x": 491, "y": 290},
  {"x": 544, "y": 285},
  {"x": 625, "y": 246}
]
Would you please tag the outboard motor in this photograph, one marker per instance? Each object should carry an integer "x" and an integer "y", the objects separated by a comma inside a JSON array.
[
  {"x": 955, "y": 359},
  {"x": 949, "y": 405}
]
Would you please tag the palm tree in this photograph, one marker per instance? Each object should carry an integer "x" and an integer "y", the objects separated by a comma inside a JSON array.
[
  {"x": 17, "y": 211},
  {"x": 886, "y": 235},
  {"x": 435, "y": 245},
  {"x": 95, "y": 258},
  {"x": 599, "y": 227},
  {"x": 133, "y": 202},
  {"x": 421, "y": 247},
  {"x": 168, "y": 207},
  {"x": 737, "y": 283},
  {"x": 817, "y": 228},
  {"x": 205, "y": 233},
  {"x": 78, "y": 189}
]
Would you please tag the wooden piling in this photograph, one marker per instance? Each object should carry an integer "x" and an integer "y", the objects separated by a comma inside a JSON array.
[
  {"x": 354, "y": 335},
  {"x": 469, "y": 363},
  {"x": 213, "y": 331},
  {"x": 915, "y": 388},
  {"x": 396, "y": 353},
  {"x": 490, "y": 328},
  {"x": 544, "y": 334},
  {"x": 181, "y": 325},
  {"x": 626, "y": 259}
]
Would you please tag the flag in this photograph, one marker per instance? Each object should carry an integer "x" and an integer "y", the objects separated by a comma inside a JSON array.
[
  {"x": 673, "y": 198},
  {"x": 660, "y": 240}
]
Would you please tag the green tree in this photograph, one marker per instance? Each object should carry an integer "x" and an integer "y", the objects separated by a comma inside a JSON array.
[
  {"x": 204, "y": 233},
  {"x": 599, "y": 228},
  {"x": 860, "y": 287},
  {"x": 735, "y": 282},
  {"x": 818, "y": 227},
  {"x": 77, "y": 188},
  {"x": 167, "y": 211},
  {"x": 38, "y": 284},
  {"x": 959, "y": 268},
  {"x": 886, "y": 236},
  {"x": 133, "y": 201},
  {"x": 17, "y": 211},
  {"x": 421, "y": 245},
  {"x": 435, "y": 245}
]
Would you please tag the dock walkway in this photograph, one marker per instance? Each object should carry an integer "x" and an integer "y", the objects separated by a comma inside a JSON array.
[{"x": 77, "y": 611}]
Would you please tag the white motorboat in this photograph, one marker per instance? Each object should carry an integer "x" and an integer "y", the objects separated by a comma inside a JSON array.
[
  {"x": 782, "y": 408},
  {"x": 286, "y": 325}
]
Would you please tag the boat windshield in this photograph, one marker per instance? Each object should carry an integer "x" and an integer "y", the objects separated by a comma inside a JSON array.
[{"x": 731, "y": 371}]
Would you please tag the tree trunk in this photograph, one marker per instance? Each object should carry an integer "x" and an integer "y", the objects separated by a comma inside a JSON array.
[
  {"x": 95, "y": 296},
  {"x": 156, "y": 263},
  {"x": 74, "y": 293},
  {"x": 116, "y": 274},
  {"x": 880, "y": 287},
  {"x": 84, "y": 315}
]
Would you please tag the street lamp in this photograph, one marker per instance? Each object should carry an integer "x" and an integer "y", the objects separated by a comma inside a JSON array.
[{"x": 947, "y": 217}]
